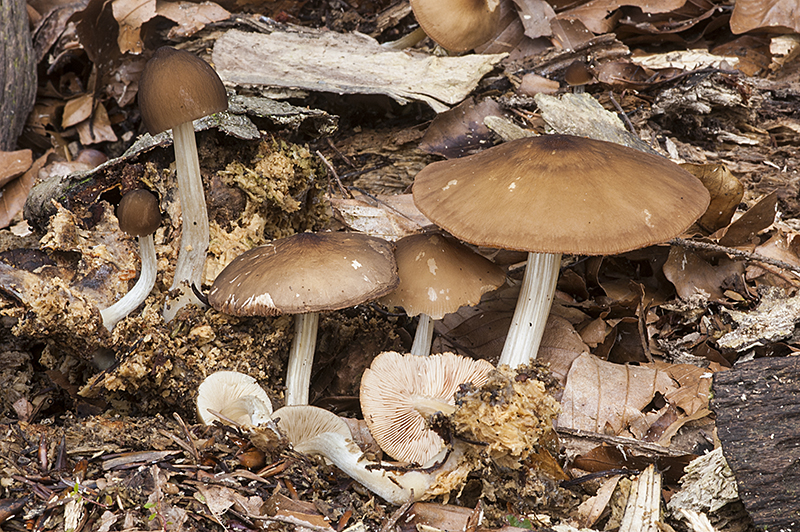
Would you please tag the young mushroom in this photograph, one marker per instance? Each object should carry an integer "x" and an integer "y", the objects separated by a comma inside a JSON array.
[
  {"x": 139, "y": 216},
  {"x": 312, "y": 430},
  {"x": 236, "y": 396},
  {"x": 557, "y": 194},
  {"x": 438, "y": 275},
  {"x": 175, "y": 89},
  {"x": 305, "y": 274},
  {"x": 399, "y": 393}
]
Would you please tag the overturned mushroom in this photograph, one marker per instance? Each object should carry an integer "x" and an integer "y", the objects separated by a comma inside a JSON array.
[
  {"x": 438, "y": 275},
  {"x": 557, "y": 194},
  {"x": 138, "y": 216},
  {"x": 236, "y": 396},
  {"x": 305, "y": 274},
  {"x": 175, "y": 89},
  {"x": 400, "y": 392}
]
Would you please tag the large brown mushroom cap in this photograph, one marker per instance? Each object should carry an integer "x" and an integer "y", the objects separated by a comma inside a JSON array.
[
  {"x": 438, "y": 275},
  {"x": 178, "y": 87},
  {"x": 561, "y": 194},
  {"x": 458, "y": 25},
  {"x": 306, "y": 272},
  {"x": 393, "y": 387}
]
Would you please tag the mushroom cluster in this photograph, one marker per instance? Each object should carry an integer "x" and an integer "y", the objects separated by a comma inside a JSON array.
[{"x": 557, "y": 194}]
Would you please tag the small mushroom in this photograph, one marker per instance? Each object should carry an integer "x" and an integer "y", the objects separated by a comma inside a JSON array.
[
  {"x": 400, "y": 392},
  {"x": 312, "y": 430},
  {"x": 577, "y": 75},
  {"x": 557, "y": 194},
  {"x": 175, "y": 89},
  {"x": 438, "y": 275},
  {"x": 305, "y": 274},
  {"x": 238, "y": 397},
  {"x": 458, "y": 25},
  {"x": 139, "y": 216}
]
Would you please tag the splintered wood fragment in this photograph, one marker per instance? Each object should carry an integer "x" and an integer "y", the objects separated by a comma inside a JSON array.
[
  {"x": 135, "y": 459},
  {"x": 351, "y": 63},
  {"x": 643, "y": 511},
  {"x": 757, "y": 406}
]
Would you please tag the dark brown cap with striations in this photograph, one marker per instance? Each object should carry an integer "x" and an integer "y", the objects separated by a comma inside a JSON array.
[
  {"x": 438, "y": 275},
  {"x": 458, "y": 25},
  {"x": 561, "y": 194},
  {"x": 138, "y": 213},
  {"x": 306, "y": 272},
  {"x": 178, "y": 87}
]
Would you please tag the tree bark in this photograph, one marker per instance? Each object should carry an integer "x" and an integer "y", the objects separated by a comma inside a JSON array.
[{"x": 17, "y": 72}]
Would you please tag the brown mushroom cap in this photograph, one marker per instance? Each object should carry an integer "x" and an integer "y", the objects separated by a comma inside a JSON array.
[
  {"x": 394, "y": 382},
  {"x": 577, "y": 73},
  {"x": 178, "y": 87},
  {"x": 561, "y": 194},
  {"x": 438, "y": 275},
  {"x": 458, "y": 25},
  {"x": 138, "y": 213},
  {"x": 306, "y": 272}
]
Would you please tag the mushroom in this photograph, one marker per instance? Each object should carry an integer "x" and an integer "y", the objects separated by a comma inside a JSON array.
[
  {"x": 400, "y": 392},
  {"x": 557, "y": 194},
  {"x": 236, "y": 396},
  {"x": 577, "y": 75},
  {"x": 176, "y": 88},
  {"x": 458, "y": 25},
  {"x": 139, "y": 216},
  {"x": 438, "y": 275},
  {"x": 305, "y": 274},
  {"x": 312, "y": 430}
]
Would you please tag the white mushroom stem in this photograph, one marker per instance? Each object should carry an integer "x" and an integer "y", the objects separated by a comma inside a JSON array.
[
  {"x": 396, "y": 487},
  {"x": 140, "y": 291},
  {"x": 533, "y": 307},
  {"x": 428, "y": 406},
  {"x": 406, "y": 41},
  {"x": 194, "y": 221},
  {"x": 301, "y": 358},
  {"x": 423, "y": 336}
]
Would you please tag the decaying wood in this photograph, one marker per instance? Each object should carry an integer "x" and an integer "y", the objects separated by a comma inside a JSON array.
[
  {"x": 353, "y": 63},
  {"x": 757, "y": 404},
  {"x": 17, "y": 72}
]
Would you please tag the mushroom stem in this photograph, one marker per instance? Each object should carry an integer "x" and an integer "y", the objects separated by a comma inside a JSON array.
[
  {"x": 533, "y": 307},
  {"x": 423, "y": 336},
  {"x": 396, "y": 487},
  {"x": 406, "y": 41},
  {"x": 140, "y": 291},
  {"x": 301, "y": 358},
  {"x": 194, "y": 221},
  {"x": 428, "y": 406}
]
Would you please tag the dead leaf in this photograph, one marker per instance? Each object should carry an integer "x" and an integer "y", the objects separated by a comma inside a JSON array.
[
  {"x": 77, "y": 110},
  {"x": 777, "y": 16},
  {"x": 753, "y": 53},
  {"x": 97, "y": 129},
  {"x": 461, "y": 130},
  {"x": 390, "y": 217},
  {"x": 560, "y": 346},
  {"x": 570, "y": 33},
  {"x": 694, "y": 386},
  {"x": 596, "y": 15},
  {"x": 191, "y": 17},
  {"x": 773, "y": 319},
  {"x": 693, "y": 276},
  {"x": 756, "y": 219},
  {"x": 130, "y": 15},
  {"x": 13, "y": 164},
  {"x": 726, "y": 194},
  {"x": 14, "y": 193},
  {"x": 532, "y": 84},
  {"x": 535, "y": 16},
  {"x": 608, "y": 398}
]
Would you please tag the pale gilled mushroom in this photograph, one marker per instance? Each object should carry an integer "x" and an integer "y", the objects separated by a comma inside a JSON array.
[
  {"x": 557, "y": 194},
  {"x": 139, "y": 216},
  {"x": 236, "y": 396},
  {"x": 400, "y": 392},
  {"x": 175, "y": 89},
  {"x": 438, "y": 275},
  {"x": 305, "y": 274},
  {"x": 312, "y": 430}
]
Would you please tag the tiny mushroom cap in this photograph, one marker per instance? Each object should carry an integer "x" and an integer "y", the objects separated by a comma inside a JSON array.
[
  {"x": 398, "y": 392},
  {"x": 306, "y": 272},
  {"x": 138, "y": 213},
  {"x": 236, "y": 396},
  {"x": 561, "y": 194},
  {"x": 177, "y": 87},
  {"x": 438, "y": 275},
  {"x": 458, "y": 25},
  {"x": 578, "y": 73}
]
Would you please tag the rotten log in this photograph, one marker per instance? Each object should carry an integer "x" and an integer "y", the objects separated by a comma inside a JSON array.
[{"x": 17, "y": 72}]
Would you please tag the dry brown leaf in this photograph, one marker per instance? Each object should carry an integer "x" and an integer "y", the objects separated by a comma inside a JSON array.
[
  {"x": 757, "y": 218},
  {"x": 15, "y": 192},
  {"x": 753, "y": 53},
  {"x": 596, "y": 14},
  {"x": 609, "y": 398},
  {"x": 461, "y": 131},
  {"x": 535, "y": 16},
  {"x": 560, "y": 345},
  {"x": 693, "y": 276},
  {"x": 783, "y": 246},
  {"x": 191, "y": 17},
  {"x": 130, "y": 15},
  {"x": 570, "y": 33},
  {"x": 695, "y": 385},
  {"x": 390, "y": 217},
  {"x": 590, "y": 510},
  {"x": 779, "y": 16},
  {"x": 13, "y": 164},
  {"x": 77, "y": 110},
  {"x": 726, "y": 194},
  {"x": 97, "y": 129}
]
